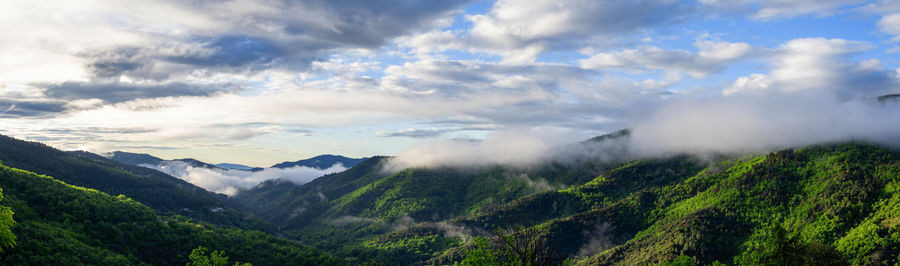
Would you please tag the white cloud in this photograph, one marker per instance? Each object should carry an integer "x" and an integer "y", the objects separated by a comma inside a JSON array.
[
  {"x": 520, "y": 30},
  {"x": 890, "y": 24},
  {"x": 711, "y": 57},
  {"x": 742, "y": 124},
  {"x": 755, "y": 83},
  {"x": 819, "y": 65},
  {"x": 229, "y": 182},
  {"x": 774, "y": 9},
  {"x": 781, "y": 9}
]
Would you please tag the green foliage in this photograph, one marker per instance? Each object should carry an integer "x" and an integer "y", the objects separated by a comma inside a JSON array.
[
  {"x": 164, "y": 193},
  {"x": 776, "y": 247},
  {"x": 198, "y": 257},
  {"x": 7, "y": 238},
  {"x": 482, "y": 254},
  {"x": 682, "y": 260},
  {"x": 823, "y": 205},
  {"x": 517, "y": 246},
  {"x": 61, "y": 224}
]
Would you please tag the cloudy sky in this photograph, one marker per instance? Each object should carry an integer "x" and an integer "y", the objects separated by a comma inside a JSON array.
[{"x": 259, "y": 82}]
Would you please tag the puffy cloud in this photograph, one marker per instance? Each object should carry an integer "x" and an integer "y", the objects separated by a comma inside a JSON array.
[
  {"x": 890, "y": 24},
  {"x": 755, "y": 83},
  {"x": 520, "y": 30},
  {"x": 230, "y": 181},
  {"x": 821, "y": 65}
]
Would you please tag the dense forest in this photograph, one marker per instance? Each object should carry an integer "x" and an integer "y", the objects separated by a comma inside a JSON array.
[
  {"x": 60, "y": 224},
  {"x": 828, "y": 204},
  {"x": 163, "y": 193},
  {"x": 825, "y": 204}
]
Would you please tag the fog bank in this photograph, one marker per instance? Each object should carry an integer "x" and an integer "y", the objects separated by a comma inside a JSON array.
[
  {"x": 230, "y": 181},
  {"x": 727, "y": 124}
]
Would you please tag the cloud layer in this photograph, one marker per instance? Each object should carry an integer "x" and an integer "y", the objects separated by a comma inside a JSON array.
[
  {"x": 218, "y": 80},
  {"x": 230, "y": 181}
]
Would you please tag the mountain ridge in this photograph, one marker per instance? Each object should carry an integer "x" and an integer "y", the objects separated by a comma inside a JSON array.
[
  {"x": 162, "y": 192},
  {"x": 57, "y": 223},
  {"x": 322, "y": 162}
]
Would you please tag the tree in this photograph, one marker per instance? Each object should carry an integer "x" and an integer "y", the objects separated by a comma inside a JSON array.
[
  {"x": 7, "y": 238},
  {"x": 515, "y": 246},
  {"x": 198, "y": 257}
]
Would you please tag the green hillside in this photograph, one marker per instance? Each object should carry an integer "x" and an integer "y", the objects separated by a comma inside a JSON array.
[
  {"x": 61, "y": 224},
  {"x": 829, "y": 204},
  {"x": 152, "y": 188},
  {"x": 824, "y": 204},
  {"x": 344, "y": 212}
]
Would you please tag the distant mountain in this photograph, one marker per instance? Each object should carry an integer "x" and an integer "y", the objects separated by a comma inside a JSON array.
[
  {"x": 147, "y": 159},
  {"x": 196, "y": 163},
  {"x": 624, "y": 133},
  {"x": 234, "y": 166},
  {"x": 889, "y": 98},
  {"x": 322, "y": 162},
  {"x": 162, "y": 192},
  {"x": 133, "y": 158}
]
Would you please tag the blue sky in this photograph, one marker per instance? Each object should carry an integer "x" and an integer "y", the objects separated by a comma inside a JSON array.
[{"x": 260, "y": 82}]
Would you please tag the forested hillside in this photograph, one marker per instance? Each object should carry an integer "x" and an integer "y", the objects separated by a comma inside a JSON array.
[
  {"x": 827, "y": 204},
  {"x": 157, "y": 190},
  {"x": 823, "y": 204},
  {"x": 61, "y": 224}
]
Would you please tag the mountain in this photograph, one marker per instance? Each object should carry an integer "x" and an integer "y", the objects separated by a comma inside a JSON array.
[
  {"x": 60, "y": 224},
  {"x": 133, "y": 158},
  {"x": 140, "y": 159},
  {"x": 825, "y": 204},
  {"x": 822, "y": 204},
  {"x": 340, "y": 212},
  {"x": 162, "y": 192},
  {"x": 322, "y": 162},
  {"x": 234, "y": 166},
  {"x": 889, "y": 98}
]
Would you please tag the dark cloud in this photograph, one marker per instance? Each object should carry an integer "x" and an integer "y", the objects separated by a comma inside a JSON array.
[
  {"x": 114, "y": 92},
  {"x": 10, "y": 108},
  {"x": 236, "y": 51},
  {"x": 113, "y": 63},
  {"x": 370, "y": 23},
  {"x": 298, "y": 33}
]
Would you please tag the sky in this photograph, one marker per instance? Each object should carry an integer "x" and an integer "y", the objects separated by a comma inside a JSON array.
[{"x": 260, "y": 82}]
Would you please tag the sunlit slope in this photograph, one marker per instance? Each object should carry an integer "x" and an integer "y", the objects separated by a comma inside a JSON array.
[
  {"x": 157, "y": 190},
  {"x": 62, "y": 224},
  {"x": 835, "y": 203}
]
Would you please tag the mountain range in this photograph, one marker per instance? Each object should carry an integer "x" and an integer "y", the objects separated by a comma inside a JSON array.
[
  {"x": 320, "y": 162},
  {"x": 824, "y": 204}
]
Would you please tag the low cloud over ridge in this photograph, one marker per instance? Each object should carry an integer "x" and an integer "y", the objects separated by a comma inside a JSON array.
[
  {"x": 230, "y": 181},
  {"x": 725, "y": 125}
]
